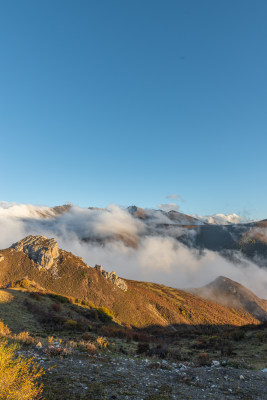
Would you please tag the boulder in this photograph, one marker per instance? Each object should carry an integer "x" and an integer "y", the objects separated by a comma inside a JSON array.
[
  {"x": 40, "y": 249},
  {"x": 113, "y": 278}
]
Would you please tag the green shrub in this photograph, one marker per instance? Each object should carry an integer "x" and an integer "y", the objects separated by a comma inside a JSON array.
[
  {"x": 108, "y": 314},
  {"x": 70, "y": 323},
  {"x": 87, "y": 303}
]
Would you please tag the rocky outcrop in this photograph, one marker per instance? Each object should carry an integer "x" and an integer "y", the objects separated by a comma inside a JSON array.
[
  {"x": 40, "y": 249},
  {"x": 112, "y": 277}
]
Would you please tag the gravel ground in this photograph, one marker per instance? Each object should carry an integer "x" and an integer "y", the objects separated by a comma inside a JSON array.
[{"x": 113, "y": 377}]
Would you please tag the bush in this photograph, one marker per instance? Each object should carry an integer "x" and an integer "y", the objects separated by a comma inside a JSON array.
[
  {"x": 54, "y": 351},
  {"x": 102, "y": 342},
  {"x": 87, "y": 346},
  {"x": 24, "y": 283},
  {"x": 113, "y": 331},
  {"x": 56, "y": 307},
  {"x": 18, "y": 376},
  {"x": 59, "y": 298},
  {"x": 87, "y": 336},
  {"x": 238, "y": 335},
  {"x": 141, "y": 337},
  {"x": 142, "y": 348},
  {"x": 35, "y": 295},
  {"x": 159, "y": 351},
  {"x": 260, "y": 336},
  {"x": 227, "y": 348},
  {"x": 85, "y": 302},
  {"x": 25, "y": 338},
  {"x": 108, "y": 314},
  {"x": 203, "y": 359},
  {"x": 4, "y": 330},
  {"x": 70, "y": 323}
]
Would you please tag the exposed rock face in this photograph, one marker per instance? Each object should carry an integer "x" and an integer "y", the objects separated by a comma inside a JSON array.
[
  {"x": 41, "y": 250},
  {"x": 113, "y": 277},
  {"x": 1, "y": 257}
]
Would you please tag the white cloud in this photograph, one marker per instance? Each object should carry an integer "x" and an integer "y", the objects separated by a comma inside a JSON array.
[
  {"x": 168, "y": 207},
  {"x": 154, "y": 253},
  {"x": 174, "y": 196},
  {"x": 221, "y": 219}
]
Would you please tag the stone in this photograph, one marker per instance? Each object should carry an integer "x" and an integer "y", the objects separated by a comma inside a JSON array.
[
  {"x": 113, "y": 278},
  {"x": 40, "y": 249},
  {"x": 215, "y": 363},
  {"x": 99, "y": 268}
]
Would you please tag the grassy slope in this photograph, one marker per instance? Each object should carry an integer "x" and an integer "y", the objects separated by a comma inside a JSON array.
[{"x": 142, "y": 305}]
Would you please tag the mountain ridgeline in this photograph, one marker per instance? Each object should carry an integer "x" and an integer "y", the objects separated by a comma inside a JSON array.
[{"x": 138, "y": 304}]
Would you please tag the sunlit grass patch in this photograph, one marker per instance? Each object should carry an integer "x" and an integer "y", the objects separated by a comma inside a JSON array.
[{"x": 18, "y": 375}]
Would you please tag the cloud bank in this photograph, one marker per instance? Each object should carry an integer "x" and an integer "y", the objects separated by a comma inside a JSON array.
[
  {"x": 136, "y": 248},
  {"x": 222, "y": 219}
]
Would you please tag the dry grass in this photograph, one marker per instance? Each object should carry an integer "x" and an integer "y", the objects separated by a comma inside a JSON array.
[{"x": 18, "y": 376}]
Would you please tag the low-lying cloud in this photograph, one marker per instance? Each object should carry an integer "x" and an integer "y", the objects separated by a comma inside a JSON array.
[
  {"x": 168, "y": 207},
  {"x": 222, "y": 219},
  {"x": 136, "y": 248}
]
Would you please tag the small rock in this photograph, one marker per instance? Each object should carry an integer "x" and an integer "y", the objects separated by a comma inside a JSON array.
[
  {"x": 215, "y": 363},
  {"x": 241, "y": 377}
]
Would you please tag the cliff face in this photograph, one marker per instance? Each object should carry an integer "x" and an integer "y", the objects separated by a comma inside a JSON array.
[{"x": 39, "y": 249}]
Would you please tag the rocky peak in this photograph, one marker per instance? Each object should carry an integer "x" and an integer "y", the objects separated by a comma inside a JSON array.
[
  {"x": 40, "y": 249},
  {"x": 112, "y": 277}
]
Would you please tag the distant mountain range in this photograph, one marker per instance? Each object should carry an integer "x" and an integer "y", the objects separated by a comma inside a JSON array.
[{"x": 248, "y": 239}]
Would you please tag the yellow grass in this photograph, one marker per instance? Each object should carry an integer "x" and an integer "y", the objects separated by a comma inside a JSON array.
[{"x": 18, "y": 376}]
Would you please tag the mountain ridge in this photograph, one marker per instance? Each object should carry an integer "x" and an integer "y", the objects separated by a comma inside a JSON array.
[{"x": 142, "y": 304}]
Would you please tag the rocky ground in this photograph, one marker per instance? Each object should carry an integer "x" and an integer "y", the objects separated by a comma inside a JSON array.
[{"x": 112, "y": 376}]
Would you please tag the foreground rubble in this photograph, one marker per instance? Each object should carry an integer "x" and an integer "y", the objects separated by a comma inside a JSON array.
[{"x": 108, "y": 376}]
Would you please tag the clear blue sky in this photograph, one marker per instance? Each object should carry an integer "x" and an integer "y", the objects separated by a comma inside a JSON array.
[{"x": 130, "y": 101}]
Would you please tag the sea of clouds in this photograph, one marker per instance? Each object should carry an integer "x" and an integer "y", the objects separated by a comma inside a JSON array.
[{"x": 135, "y": 248}]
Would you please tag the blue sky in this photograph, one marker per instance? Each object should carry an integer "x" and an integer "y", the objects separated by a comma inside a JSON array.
[{"x": 131, "y": 101}]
